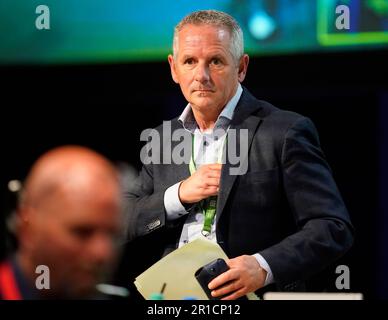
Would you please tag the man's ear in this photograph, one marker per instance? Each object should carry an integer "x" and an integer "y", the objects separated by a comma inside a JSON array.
[
  {"x": 172, "y": 68},
  {"x": 243, "y": 67},
  {"x": 22, "y": 225},
  {"x": 23, "y": 215}
]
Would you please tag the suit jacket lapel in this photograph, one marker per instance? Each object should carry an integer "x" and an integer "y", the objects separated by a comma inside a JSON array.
[
  {"x": 181, "y": 171},
  {"x": 242, "y": 119}
]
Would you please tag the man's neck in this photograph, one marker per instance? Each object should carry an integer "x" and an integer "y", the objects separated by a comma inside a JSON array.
[{"x": 206, "y": 121}]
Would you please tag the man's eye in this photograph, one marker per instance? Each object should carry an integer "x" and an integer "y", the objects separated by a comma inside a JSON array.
[
  {"x": 82, "y": 232},
  {"x": 216, "y": 61},
  {"x": 189, "y": 61}
]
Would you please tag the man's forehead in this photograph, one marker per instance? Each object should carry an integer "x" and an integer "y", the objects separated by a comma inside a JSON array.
[{"x": 200, "y": 33}]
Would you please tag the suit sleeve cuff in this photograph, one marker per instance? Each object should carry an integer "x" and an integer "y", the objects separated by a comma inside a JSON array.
[
  {"x": 263, "y": 263},
  {"x": 172, "y": 204}
]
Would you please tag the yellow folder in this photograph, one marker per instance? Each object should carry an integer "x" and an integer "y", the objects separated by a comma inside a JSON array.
[{"x": 177, "y": 270}]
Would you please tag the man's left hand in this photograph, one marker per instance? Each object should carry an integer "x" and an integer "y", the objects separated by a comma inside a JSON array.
[{"x": 245, "y": 275}]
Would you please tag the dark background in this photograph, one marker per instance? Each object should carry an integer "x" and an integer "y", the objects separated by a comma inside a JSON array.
[{"x": 106, "y": 107}]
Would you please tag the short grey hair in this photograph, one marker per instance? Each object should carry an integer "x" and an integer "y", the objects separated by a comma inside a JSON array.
[{"x": 218, "y": 19}]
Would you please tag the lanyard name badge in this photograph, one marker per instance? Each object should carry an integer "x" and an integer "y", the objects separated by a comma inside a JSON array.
[{"x": 209, "y": 205}]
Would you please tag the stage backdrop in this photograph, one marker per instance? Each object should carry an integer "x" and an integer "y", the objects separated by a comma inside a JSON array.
[{"x": 126, "y": 30}]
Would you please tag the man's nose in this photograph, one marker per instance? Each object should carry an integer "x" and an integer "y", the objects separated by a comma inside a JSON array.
[
  {"x": 102, "y": 248},
  {"x": 202, "y": 73}
]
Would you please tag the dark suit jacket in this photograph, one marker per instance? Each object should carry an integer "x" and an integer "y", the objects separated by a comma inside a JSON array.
[{"x": 286, "y": 207}]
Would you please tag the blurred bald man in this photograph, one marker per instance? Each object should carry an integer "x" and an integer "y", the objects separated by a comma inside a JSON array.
[{"x": 68, "y": 220}]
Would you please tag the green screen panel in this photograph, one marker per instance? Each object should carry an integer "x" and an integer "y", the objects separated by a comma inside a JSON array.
[
  {"x": 102, "y": 31},
  {"x": 368, "y": 23}
]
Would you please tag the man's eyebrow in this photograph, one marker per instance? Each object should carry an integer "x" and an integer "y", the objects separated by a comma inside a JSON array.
[
  {"x": 187, "y": 56},
  {"x": 217, "y": 55}
]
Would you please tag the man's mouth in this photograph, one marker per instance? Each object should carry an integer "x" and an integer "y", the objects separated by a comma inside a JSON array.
[{"x": 203, "y": 90}]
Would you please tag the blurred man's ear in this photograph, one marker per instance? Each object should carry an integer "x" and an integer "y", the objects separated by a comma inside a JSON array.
[
  {"x": 243, "y": 67},
  {"x": 22, "y": 218},
  {"x": 172, "y": 68}
]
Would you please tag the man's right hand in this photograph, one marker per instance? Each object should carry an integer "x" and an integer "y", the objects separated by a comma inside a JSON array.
[{"x": 202, "y": 184}]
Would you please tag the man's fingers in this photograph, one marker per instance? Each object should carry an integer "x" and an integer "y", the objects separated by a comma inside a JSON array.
[
  {"x": 229, "y": 287},
  {"x": 212, "y": 182},
  {"x": 235, "y": 295},
  {"x": 214, "y": 174},
  {"x": 222, "y": 279},
  {"x": 214, "y": 166},
  {"x": 211, "y": 191}
]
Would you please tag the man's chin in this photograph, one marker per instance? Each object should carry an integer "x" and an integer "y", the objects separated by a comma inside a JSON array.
[
  {"x": 203, "y": 102},
  {"x": 85, "y": 291},
  {"x": 84, "y": 287}
]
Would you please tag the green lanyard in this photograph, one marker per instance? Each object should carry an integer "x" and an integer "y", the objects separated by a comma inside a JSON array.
[{"x": 209, "y": 205}]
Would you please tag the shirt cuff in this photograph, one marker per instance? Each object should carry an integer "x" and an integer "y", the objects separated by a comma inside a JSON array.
[
  {"x": 172, "y": 204},
  {"x": 263, "y": 263}
]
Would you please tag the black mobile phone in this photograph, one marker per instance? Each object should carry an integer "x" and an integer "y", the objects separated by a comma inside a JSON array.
[{"x": 208, "y": 272}]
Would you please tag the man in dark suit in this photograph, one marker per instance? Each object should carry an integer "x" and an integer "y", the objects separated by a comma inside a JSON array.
[{"x": 280, "y": 218}]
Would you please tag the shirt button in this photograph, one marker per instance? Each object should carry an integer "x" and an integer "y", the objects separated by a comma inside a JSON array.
[{"x": 205, "y": 143}]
